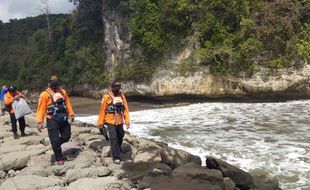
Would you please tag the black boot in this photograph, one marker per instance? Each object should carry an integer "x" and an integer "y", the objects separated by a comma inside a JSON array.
[
  {"x": 23, "y": 134},
  {"x": 16, "y": 136}
]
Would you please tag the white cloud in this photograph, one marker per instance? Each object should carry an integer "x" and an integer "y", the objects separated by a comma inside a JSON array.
[{"x": 24, "y": 8}]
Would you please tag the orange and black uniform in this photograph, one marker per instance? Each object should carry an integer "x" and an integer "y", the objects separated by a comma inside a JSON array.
[
  {"x": 59, "y": 132},
  {"x": 8, "y": 101},
  {"x": 114, "y": 122}
]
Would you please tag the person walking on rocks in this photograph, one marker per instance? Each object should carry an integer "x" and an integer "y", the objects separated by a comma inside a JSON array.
[
  {"x": 3, "y": 91},
  {"x": 55, "y": 105},
  {"x": 114, "y": 113},
  {"x": 10, "y": 96}
]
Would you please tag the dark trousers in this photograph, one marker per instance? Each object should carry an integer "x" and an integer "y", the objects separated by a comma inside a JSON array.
[
  {"x": 116, "y": 137},
  {"x": 58, "y": 134},
  {"x": 21, "y": 122}
]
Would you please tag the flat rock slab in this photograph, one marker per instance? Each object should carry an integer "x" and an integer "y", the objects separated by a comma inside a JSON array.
[
  {"x": 30, "y": 182},
  {"x": 75, "y": 174},
  {"x": 18, "y": 160},
  {"x": 7, "y": 148},
  {"x": 105, "y": 183}
]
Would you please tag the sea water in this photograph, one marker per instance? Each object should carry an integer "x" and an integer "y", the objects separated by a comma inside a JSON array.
[{"x": 260, "y": 138}]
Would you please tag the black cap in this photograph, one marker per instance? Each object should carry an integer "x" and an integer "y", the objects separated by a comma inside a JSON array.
[
  {"x": 115, "y": 83},
  {"x": 12, "y": 88},
  {"x": 53, "y": 80}
]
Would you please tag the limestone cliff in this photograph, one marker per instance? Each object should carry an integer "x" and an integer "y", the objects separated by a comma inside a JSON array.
[
  {"x": 167, "y": 80},
  {"x": 115, "y": 15}
]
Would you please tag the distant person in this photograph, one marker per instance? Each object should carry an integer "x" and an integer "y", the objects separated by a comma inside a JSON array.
[
  {"x": 10, "y": 96},
  {"x": 3, "y": 91},
  {"x": 55, "y": 105},
  {"x": 114, "y": 113}
]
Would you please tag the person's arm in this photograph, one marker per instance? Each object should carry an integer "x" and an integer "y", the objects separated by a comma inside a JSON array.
[
  {"x": 102, "y": 112},
  {"x": 126, "y": 112},
  {"x": 42, "y": 106},
  {"x": 68, "y": 104},
  {"x": 20, "y": 95}
]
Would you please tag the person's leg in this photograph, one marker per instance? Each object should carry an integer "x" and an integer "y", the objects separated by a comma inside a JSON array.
[
  {"x": 22, "y": 125},
  {"x": 120, "y": 135},
  {"x": 53, "y": 134},
  {"x": 65, "y": 132},
  {"x": 13, "y": 123},
  {"x": 2, "y": 107},
  {"x": 114, "y": 142}
]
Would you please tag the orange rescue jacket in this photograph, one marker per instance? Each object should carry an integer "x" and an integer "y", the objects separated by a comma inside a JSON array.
[
  {"x": 112, "y": 118},
  {"x": 46, "y": 99},
  {"x": 9, "y": 99}
]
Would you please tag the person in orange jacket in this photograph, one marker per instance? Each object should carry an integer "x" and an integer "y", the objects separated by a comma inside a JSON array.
[
  {"x": 55, "y": 105},
  {"x": 11, "y": 95},
  {"x": 114, "y": 113}
]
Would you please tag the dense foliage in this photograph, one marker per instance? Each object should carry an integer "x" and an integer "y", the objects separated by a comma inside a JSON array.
[
  {"x": 74, "y": 53},
  {"x": 229, "y": 36},
  {"x": 233, "y": 35}
]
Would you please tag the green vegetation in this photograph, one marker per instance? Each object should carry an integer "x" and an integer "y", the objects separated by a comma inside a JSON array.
[
  {"x": 233, "y": 36},
  {"x": 28, "y": 57}
]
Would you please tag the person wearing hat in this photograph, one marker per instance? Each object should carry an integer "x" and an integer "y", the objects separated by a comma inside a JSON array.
[
  {"x": 10, "y": 96},
  {"x": 55, "y": 105},
  {"x": 113, "y": 114}
]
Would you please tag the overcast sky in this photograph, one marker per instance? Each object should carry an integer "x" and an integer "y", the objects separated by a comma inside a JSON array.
[{"x": 25, "y": 8}]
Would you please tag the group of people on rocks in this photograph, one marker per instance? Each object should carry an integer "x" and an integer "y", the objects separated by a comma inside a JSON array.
[{"x": 54, "y": 105}]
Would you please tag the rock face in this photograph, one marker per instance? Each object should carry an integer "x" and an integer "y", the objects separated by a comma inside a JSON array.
[
  {"x": 115, "y": 16},
  {"x": 28, "y": 164},
  {"x": 168, "y": 82}
]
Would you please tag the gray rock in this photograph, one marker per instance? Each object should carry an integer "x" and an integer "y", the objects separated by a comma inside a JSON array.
[
  {"x": 37, "y": 146},
  {"x": 35, "y": 170},
  {"x": 126, "y": 148},
  {"x": 86, "y": 137},
  {"x": 7, "y": 148},
  {"x": 106, "y": 183},
  {"x": 70, "y": 150},
  {"x": 242, "y": 179},
  {"x": 97, "y": 145},
  {"x": 55, "y": 188},
  {"x": 75, "y": 174},
  {"x": 60, "y": 170},
  {"x": 266, "y": 182},
  {"x": 11, "y": 173},
  {"x": 176, "y": 158},
  {"x": 46, "y": 141},
  {"x": 2, "y": 174},
  {"x": 18, "y": 160},
  {"x": 43, "y": 160},
  {"x": 30, "y": 182},
  {"x": 194, "y": 171},
  {"x": 229, "y": 184},
  {"x": 106, "y": 151},
  {"x": 29, "y": 140},
  {"x": 147, "y": 154}
]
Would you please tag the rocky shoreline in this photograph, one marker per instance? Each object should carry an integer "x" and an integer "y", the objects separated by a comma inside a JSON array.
[{"x": 26, "y": 164}]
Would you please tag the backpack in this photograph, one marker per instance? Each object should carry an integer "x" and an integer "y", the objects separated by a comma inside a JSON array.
[
  {"x": 7, "y": 107},
  {"x": 58, "y": 109},
  {"x": 117, "y": 105}
]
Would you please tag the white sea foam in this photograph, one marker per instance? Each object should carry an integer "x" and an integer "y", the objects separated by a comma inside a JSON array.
[{"x": 269, "y": 136}]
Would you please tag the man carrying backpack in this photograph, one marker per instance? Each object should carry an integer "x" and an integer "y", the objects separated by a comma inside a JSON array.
[
  {"x": 54, "y": 103},
  {"x": 114, "y": 113},
  {"x": 10, "y": 96}
]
